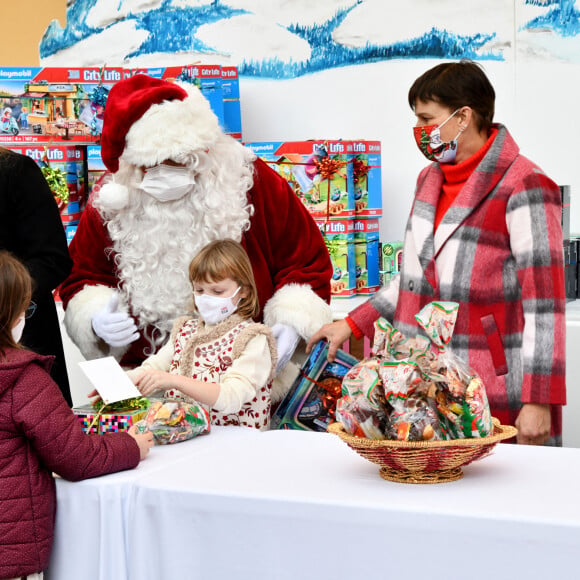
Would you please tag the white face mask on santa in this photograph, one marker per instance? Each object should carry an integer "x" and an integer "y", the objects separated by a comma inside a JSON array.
[{"x": 167, "y": 182}]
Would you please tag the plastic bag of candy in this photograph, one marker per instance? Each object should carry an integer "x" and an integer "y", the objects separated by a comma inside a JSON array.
[
  {"x": 461, "y": 398},
  {"x": 363, "y": 410},
  {"x": 172, "y": 421},
  {"x": 415, "y": 389},
  {"x": 359, "y": 418},
  {"x": 414, "y": 414}
]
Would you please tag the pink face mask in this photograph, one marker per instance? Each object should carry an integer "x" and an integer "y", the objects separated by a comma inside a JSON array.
[{"x": 428, "y": 139}]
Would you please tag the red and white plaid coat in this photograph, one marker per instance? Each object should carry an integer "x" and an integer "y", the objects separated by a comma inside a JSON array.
[{"x": 498, "y": 253}]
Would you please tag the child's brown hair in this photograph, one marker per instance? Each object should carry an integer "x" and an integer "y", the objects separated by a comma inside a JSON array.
[
  {"x": 227, "y": 259},
  {"x": 15, "y": 294}
]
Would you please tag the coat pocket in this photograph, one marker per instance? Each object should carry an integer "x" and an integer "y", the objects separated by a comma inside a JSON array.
[{"x": 495, "y": 344}]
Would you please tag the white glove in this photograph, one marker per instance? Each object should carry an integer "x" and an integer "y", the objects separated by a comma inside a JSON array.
[
  {"x": 114, "y": 327},
  {"x": 286, "y": 342}
]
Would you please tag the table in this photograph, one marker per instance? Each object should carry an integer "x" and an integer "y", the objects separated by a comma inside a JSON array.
[{"x": 294, "y": 505}]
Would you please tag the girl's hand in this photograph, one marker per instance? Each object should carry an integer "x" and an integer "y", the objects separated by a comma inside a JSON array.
[
  {"x": 96, "y": 396},
  {"x": 144, "y": 440},
  {"x": 151, "y": 380}
]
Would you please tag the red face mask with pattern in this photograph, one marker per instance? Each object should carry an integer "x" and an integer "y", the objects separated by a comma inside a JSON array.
[{"x": 428, "y": 139}]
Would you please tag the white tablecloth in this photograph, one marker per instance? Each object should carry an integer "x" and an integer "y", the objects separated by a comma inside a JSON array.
[{"x": 291, "y": 505}]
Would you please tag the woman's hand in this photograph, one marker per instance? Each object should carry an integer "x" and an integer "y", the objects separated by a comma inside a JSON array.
[
  {"x": 150, "y": 380},
  {"x": 335, "y": 333},
  {"x": 533, "y": 424}
]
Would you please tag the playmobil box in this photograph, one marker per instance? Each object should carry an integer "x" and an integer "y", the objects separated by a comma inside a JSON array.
[
  {"x": 391, "y": 257},
  {"x": 107, "y": 422},
  {"x": 64, "y": 168},
  {"x": 95, "y": 166},
  {"x": 311, "y": 401},
  {"x": 339, "y": 239},
  {"x": 366, "y": 250},
  {"x": 70, "y": 232},
  {"x": 319, "y": 172},
  {"x": 206, "y": 77},
  {"x": 366, "y": 161},
  {"x": 231, "y": 93},
  {"x": 54, "y": 104}
]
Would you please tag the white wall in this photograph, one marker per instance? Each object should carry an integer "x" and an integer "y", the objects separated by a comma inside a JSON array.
[{"x": 537, "y": 102}]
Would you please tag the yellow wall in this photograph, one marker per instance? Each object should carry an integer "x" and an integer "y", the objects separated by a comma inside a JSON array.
[{"x": 22, "y": 28}]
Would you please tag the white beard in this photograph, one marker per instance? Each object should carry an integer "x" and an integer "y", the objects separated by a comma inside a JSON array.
[{"x": 155, "y": 242}]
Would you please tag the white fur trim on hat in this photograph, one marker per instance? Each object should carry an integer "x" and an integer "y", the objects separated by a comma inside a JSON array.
[
  {"x": 78, "y": 321},
  {"x": 113, "y": 196},
  {"x": 172, "y": 130},
  {"x": 300, "y": 307}
]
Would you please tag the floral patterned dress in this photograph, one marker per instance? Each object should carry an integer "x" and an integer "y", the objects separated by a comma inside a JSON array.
[{"x": 207, "y": 354}]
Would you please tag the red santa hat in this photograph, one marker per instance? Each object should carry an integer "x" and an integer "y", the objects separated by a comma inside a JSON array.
[{"x": 149, "y": 120}]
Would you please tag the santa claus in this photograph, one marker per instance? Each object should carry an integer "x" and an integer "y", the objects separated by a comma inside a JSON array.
[{"x": 175, "y": 183}]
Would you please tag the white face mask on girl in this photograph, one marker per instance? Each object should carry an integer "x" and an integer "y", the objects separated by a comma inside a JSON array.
[
  {"x": 18, "y": 329},
  {"x": 214, "y": 309},
  {"x": 167, "y": 182}
]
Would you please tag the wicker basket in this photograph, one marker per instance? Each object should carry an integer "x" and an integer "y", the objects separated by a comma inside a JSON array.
[{"x": 423, "y": 461}]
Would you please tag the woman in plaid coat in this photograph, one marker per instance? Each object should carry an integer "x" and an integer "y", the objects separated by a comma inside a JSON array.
[{"x": 485, "y": 232}]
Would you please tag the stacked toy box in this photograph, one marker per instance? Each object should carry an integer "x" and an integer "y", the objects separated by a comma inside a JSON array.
[
  {"x": 57, "y": 104},
  {"x": 53, "y": 104},
  {"x": 95, "y": 166},
  {"x": 231, "y": 96},
  {"x": 366, "y": 250},
  {"x": 51, "y": 114},
  {"x": 365, "y": 157},
  {"x": 338, "y": 181},
  {"x": 55, "y": 115},
  {"x": 219, "y": 85},
  {"x": 391, "y": 254},
  {"x": 319, "y": 173},
  {"x": 65, "y": 169},
  {"x": 339, "y": 237}
]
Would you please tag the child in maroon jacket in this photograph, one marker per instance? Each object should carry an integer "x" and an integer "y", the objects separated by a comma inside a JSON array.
[{"x": 39, "y": 434}]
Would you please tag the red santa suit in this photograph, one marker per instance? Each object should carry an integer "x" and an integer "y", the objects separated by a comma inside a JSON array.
[{"x": 129, "y": 242}]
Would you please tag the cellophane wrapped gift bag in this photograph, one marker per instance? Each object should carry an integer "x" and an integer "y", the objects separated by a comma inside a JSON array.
[
  {"x": 172, "y": 421},
  {"x": 415, "y": 389}
]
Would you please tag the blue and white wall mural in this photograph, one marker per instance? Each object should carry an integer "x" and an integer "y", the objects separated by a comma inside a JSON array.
[
  {"x": 549, "y": 30},
  {"x": 287, "y": 39},
  {"x": 341, "y": 69}
]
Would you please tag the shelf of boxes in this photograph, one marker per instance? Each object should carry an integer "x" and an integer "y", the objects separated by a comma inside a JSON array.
[{"x": 339, "y": 183}]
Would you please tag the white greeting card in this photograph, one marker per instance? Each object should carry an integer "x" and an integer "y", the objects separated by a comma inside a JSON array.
[{"x": 110, "y": 380}]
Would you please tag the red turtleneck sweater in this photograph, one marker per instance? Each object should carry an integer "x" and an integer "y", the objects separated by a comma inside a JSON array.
[{"x": 455, "y": 176}]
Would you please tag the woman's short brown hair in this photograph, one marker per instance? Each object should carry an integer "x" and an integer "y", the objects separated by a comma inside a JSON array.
[
  {"x": 15, "y": 293},
  {"x": 227, "y": 259},
  {"x": 456, "y": 85}
]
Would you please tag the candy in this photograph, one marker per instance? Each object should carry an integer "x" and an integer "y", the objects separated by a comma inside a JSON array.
[
  {"x": 175, "y": 421},
  {"x": 416, "y": 387}
]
